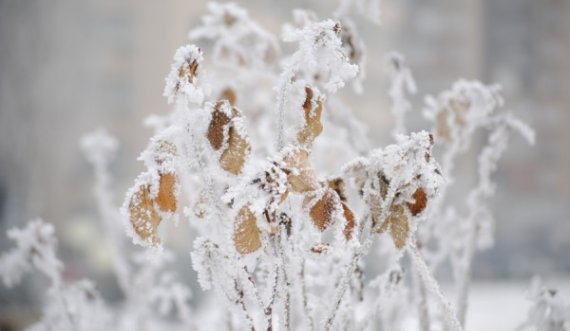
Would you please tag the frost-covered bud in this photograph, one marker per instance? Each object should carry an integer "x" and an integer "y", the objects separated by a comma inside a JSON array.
[{"x": 182, "y": 81}]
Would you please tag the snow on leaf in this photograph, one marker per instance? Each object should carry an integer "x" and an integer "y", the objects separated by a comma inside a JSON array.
[
  {"x": 183, "y": 77},
  {"x": 143, "y": 216},
  {"x": 313, "y": 108},
  {"x": 247, "y": 237},
  {"x": 301, "y": 176}
]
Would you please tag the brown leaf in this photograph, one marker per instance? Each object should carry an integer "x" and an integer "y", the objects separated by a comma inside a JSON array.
[
  {"x": 233, "y": 158},
  {"x": 143, "y": 216},
  {"x": 217, "y": 126},
  {"x": 301, "y": 175},
  {"x": 222, "y": 132},
  {"x": 322, "y": 211},
  {"x": 247, "y": 237},
  {"x": 337, "y": 184},
  {"x": 313, "y": 126},
  {"x": 397, "y": 223},
  {"x": 350, "y": 221},
  {"x": 230, "y": 95},
  {"x": 320, "y": 248},
  {"x": 188, "y": 71},
  {"x": 166, "y": 199},
  {"x": 420, "y": 202}
]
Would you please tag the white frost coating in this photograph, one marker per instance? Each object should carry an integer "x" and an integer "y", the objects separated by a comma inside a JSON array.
[
  {"x": 182, "y": 79},
  {"x": 238, "y": 40},
  {"x": 35, "y": 247},
  {"x": 290, "y": 242},
  {"x": 548, "y": 312},
  {"x": 319, "y": 55}
]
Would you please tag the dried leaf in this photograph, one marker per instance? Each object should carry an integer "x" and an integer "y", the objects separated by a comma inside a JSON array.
[
  {"x": 166, "y": 198},
  {"x": 420, "y": 202},
  {"x": 233, "y": 158},
  {"x": 230, "y": 95},
  {"x": 222, "y": 132},
  {"x": 337, "y": 184},
  {"x": 350, "y": 221},
  {"x": 247, "y": 237},
  {"x": 217, "y": 126},
  {"x": 322, "y": 211},
  {"x": 301, "y": 175},
  {"x": 320, "y": 248},
  {"x": 188, "y": 71},
  {"x": 143, "y": 216},
  {"x": 397, "y": 223},
  {"x": 313, "y": 126}
]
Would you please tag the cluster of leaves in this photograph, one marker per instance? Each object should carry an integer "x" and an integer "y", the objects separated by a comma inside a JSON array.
[{"x": 285, "y": 242}]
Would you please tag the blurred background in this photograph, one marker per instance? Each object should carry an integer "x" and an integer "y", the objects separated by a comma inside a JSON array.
[{"x": 68, "y": 67}]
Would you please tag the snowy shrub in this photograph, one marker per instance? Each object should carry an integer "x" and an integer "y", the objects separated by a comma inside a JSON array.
[{"x": 282, "y": 243}]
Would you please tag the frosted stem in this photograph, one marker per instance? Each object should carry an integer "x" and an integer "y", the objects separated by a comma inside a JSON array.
[{"x": 432, "y": 285}]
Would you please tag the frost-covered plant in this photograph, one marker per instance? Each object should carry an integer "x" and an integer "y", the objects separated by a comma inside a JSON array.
[
  {"x": 548, "y": 312},
  {"x": 298, "y": 223}
]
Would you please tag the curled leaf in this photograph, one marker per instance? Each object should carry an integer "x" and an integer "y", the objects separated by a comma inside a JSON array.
[
  {"x": 247, "y": 237},
  {"x": 312, "y": 111},
  {"x": 225, "y": 131},
  {"x": 337, "y": 184},
  {"x": 143, "y": 216},
  {"x": 420, "y": 202},
  {"x": 301, "y": 175},
  {"x": 350, "y": 221},
  {"x": 320, "y": 248}
]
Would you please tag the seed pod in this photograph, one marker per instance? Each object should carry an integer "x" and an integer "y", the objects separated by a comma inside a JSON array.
[
  {"x": 301, "y": 175},
  {"x": 312, "y": 111},
  {"x": 420, "y": 202},
  {"x": 322, "y": 211},
  {"x": 143, "y": 216},
  {"x": 247, "y": 237}
]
